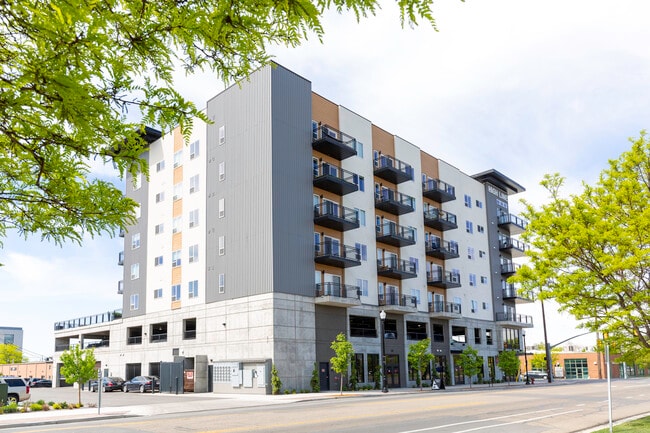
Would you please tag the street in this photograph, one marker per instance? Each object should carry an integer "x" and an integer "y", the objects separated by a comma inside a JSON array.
[{"x": 567, "y": 407}]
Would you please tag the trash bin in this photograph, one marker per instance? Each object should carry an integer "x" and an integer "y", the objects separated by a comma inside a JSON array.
[{"x": 4, "y": 390}]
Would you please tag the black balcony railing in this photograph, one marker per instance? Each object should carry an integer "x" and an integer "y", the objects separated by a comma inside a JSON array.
[
  {"x": 443, "y": 279},
  {"x": 134, "y": 340},
  {"x": 394, "y": 202},
  {"x": 438, "y": 190},
  {"x": 392, "y": 169},
  {"x": 509, "y": 267},
  {"x": 335, "y": 179},
  {"x": 338, "y": 290},
  {"x": 444, "y": 307},
  {"x": 517, "y": 318},
  {"x": 334, "y": 254},
  {"x": 393, "y": 234},
  {"x": 335, "y": 216},
  {"x": 158, "y": 338},
  {"x": 393, "y": 267},
  {"x": 333, "y": 142},
  {"x": 439, "y": 219},
  {"x": 88, "y": 320},
  {"x": 516, "y": 247},
  {"x": 514, "y": 223},
  {"x": 440, "y": 249},
  {"x": 398, "y": 300}
]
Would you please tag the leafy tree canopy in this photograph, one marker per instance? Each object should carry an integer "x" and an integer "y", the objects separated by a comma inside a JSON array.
[
  {"x": 591, "y": 252},
  {"x": 471, "y": 363},
  {"x": 78, "y": 366},
  {"x": 419, "y": 357},
  {"x": 11, "y": 354},
  {"x": 74, "y": 73},
  {"x": 344, "y": 352},
  {"x": 509, "y": 363}
]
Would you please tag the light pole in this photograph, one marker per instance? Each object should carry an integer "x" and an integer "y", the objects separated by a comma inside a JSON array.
[
  {"x": 523, "y": 334},
  {"x": 382, "y": 316}
]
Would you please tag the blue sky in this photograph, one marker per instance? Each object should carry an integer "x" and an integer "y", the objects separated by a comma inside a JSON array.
[{"x": 527, "y": 87}]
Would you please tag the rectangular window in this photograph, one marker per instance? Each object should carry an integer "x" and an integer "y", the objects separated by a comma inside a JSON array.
[
  {"x": 160, "y": 165},
  {"x": 135, "y": 271},
  {"x": 194, "y": 183},
  {"x": 363, "y": 285},
  {"x": 178, "y": 191},
  {"x": 176, "y": 292},
  {"x": 485, "y": 305},
  {"x": 194, "y": 218},
  {"x": 363, "y": 326},
  {"x": 157, "y": 294},
  {"x": 474, "y": 306},
  {"x": 160, "y": 197},
  {"x": 222, "y": 283},
  {"x": 159, "y": 228},
  {"x": 134, "y": 302},
  {"x": 438, "y": 333},
  {"x": 472, "y": 279},
  {"x": 480, "y": 228},
  {"x": 359, "y": 147},
  {"x": 416, "y": 294},
  {"x": 477, "y": 335},
  {"x": 416, "y": 330},
  {"x": 194, "y": 253},
  {"x": 222, "y": 135},
  {"x": 488, "y": 336},
  {"x": 469, "y": 227},
  {"x": 415, "y": 264},
  {"x": 178, "y": 158},
  {"x": 158, "y": 261},
  {"x": 135, "y": 241},
  {"x": 484, "y": 279},
  {"x": 481, "y": 253},
  {"x": 479, "y": 204},
  {"x": 176, "y": 258},
  {"x": 470, "y": 253},
  {"x": 177, "y": 224},
  {"x": 458, "y": 334},
  {"x": 222, "y": 245},
  {"x": 362, "y": 251},
  {"x": 193, "y": 289},
  {"x": 194, "y": 149},
  {"x": 222, "y": 171},
  {"x": 361, "y": 216},
  {"x": 222, "y": 208},
  {"x": 468, "y": 201}
]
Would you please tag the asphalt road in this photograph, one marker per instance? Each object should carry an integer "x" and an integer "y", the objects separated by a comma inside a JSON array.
[{"x": 574, "y": 407}]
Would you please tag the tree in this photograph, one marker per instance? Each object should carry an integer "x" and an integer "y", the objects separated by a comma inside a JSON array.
[
  {"x": 80, "y": 80},
  {"x": 509, "y": 364},
  {"x": 590, "y": 252},
  {"x": 538, "y": 360},
  {"x": 78, "y": 366},
  {"x": 276, "y": 383},
  {"x": 420, "y": 358},
  {"x": 11, "y": 354},
  {"x": 315, "y": 379},
  {"x": 344, "y": 353},
  {"x": 470, "y": 362}
]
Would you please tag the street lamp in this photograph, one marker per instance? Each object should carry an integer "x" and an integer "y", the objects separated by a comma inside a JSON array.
[
  {"x": 523, "y": 334},
  {"x": 382, "y": 316}
]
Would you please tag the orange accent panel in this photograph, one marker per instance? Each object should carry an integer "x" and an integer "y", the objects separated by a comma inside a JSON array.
[
  {"x": 177, "y": 209},
  {"x": 178, "y": 174},
  {"x": 383, "y": 141},
  {"x": 177, "y": 241},
  {"x": 324, "y": 111},
  {"x": 176, "y": 305},
  {"x": 176, "y": 275},
  {"x": 429, "y": 165},
  {"x": 179, "y": 142}
]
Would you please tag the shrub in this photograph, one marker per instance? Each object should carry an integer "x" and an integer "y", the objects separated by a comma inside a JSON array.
[
  {"x": 35, "y": 407},
  {"x": 50, "y": 403},
  {"x": 56, "y": 406},
  {"x": 64, "y": 405},
  {"x": 315, "y": 379},
  {"x": 11, "y": 408},
  {"x": 276, "y": 383}
]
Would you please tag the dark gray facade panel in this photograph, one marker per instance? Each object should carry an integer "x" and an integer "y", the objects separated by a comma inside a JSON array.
[
  {"x": 293, "y": 227},
  {"x": 138, "y": 255},
  {"x": 330, "y": 321}
]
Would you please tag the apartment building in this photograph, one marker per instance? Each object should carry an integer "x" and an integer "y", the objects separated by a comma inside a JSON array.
[{"x": 290, "y": 219}]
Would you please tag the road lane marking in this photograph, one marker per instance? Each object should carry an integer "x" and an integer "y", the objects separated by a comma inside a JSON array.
[{"x": 519, "y": 422}]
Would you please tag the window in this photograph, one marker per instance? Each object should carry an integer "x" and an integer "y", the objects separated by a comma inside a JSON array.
[
  {"x": 363, "y": 286},
  {"x": 176, "y": 258},
  {"x": 222, "y": 135},
  {"x": 160, "y": 165},
  {"x": 137, "y": 181},
  {"x": 416, "y": 294},
  {"x": 468, "y": 201},
  {"x": 157, "y": 294},
  {"x": 194, "y": 149},
  {"x": 158, "y": 261},
  {"x": 361, "y": 217},
  {"x": 484, "y": 279},
  {"x": 222, "y": 171},
  {"x": 479, "y": 204},
  {"x": 134, "y": 302},
  {"x": 485, "y": 305},
  {"x": 222, "y": 208},
  {"x": 189, "y": 329},
  {"x": 414, "y": 264},
  {"x": 359, "y": 148},
  {"x": 362, "y": 251},
  {"x": 416, "y": 331},
  {"x": 194, "y": 218},
  {"x": 472, "y": 279},
  {"x": 474, "y": 306},
  {"x": 458, "y": 334},
  {"x": 135, "y": 241},
  {"x": 488, "y": 336},
  {"x": 193, "y": 289},
  {"x": 194, "y": 184},
  {"x": 222, "y": 283},
  {"x": 469, "y": 227},
  {"x": 178, "y": 191},
  {"x": 176, "y": 292},
  {"x": 178, "y": 158},
  {"x": 477, "y": 335},
  {"x": 438, "y": 333},
  {"x": 480, "y": 228},
  {"x": 160, "y": 228},
  {"x": 222, "y": 245},
  {"x": 135, "y": 271},
  {"x": 363, "y": 326},
  {"x": 177, "y": 223},
  {"x": 481, "y": 253},
  {"x": 470, "y": 253},
  {"x": 160, "y": 197},
  {"x": 194, "y": 253}
]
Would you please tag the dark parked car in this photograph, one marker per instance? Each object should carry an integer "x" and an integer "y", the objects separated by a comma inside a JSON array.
[
  {"x": 108, "y": 384},
  {"x": 535, "y": 374},
  {"x": 41, "y": 383},
  {"x": 141, "y": 383}
]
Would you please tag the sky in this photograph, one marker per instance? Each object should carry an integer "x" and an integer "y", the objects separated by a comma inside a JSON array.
[{"x": 526, "y": 87}]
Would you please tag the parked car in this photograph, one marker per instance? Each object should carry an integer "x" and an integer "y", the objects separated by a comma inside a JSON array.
[
  {"x": 18, "y": 389},
  {"x": 535, "y": 374},
  {"x": 108, "y": 384},
  {"x": 141, "y": 383},
  {"x": 41, "y": 383}
]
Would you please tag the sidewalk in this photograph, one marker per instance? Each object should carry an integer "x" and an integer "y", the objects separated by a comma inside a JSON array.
[{"x": 172, "y": 403}]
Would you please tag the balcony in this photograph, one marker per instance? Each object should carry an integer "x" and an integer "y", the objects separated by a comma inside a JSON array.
[
  {"x": 393, "y": 267},
  {"x": 120, "y": 287},
  {"x": 514, "y": 320},
  {"x": 398, "y": 304},
  {"x": 512, "y": 223},
  {"x": 338, "y": 295},
  {"x": 445, "y": 310},
  {"x": 120, "y": 258},
  {"x": 508, "y": 267},
  {"x": 439, "y": 219},
  {"x": 515, "y": 247},
  {"x": 335, "y": 216},
  {"x": 438, "y": 190},
  {"x": 510, "y": 293},
  {"x": 394, "y": 202},
  {"x": 393, "y": 234},
  {"x": 334, "y": 179},
  {"x": 334, "y": 143},
  {"x": 88, "y": 320},
  {"x": 443, "y": 279},
  {"x": 393, "y": 170},
  {"x": 440, "y": 249},
  {"x": 334, "y": 254}
]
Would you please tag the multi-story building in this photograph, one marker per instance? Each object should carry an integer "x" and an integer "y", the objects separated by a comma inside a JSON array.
[
  {"x": 290, "y": 219},
  {"x": 11, "y": 335}
]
